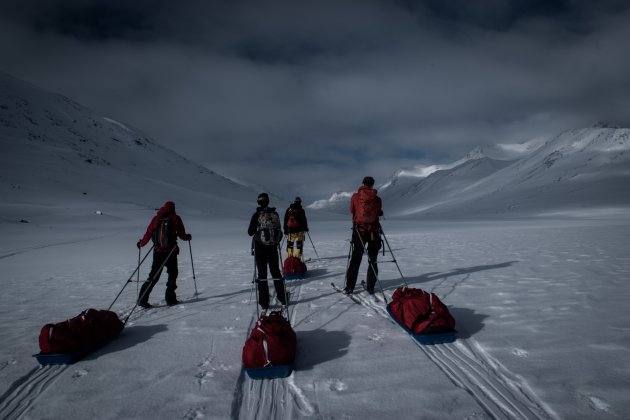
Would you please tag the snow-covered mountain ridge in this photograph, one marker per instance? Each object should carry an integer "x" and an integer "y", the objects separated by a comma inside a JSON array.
[
  {"x": 57, "y": 152},
  {"x": 578, "y": 171}
]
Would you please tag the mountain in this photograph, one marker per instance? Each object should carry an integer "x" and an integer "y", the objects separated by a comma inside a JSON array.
[
  {"x": 578, "y": 172},
  {"x": 57, "y": 152},
  {"x": 441, "y": 186},
  {"x": 408, "y": 182},
  {"x": 581, "y": 171}
]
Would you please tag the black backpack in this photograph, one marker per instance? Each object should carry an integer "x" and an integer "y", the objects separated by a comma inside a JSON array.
[
  {"x": 162, "y": 237},
  {"x": 269, "y": 229}
]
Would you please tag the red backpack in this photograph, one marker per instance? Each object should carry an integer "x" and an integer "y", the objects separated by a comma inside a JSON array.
[
  {"x": 421, "y": 312},
  {"x": 367, "y": 207},
  {"x": 292, "y": 218},
  {"x": 271, "y": 343}
]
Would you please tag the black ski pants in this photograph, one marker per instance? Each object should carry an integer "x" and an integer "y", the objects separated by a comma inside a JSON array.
[
  {"x": 267, "y": 255},
  {"x": 359, "y": 241},
  {"x": 154, "y": 276}
]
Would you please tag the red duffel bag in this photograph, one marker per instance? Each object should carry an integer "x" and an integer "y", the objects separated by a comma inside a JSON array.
[
  {"x": 421, "y": 312},
  {"x": 272, "y": 342},
  {"x": 85, "y": 331},
  {"x": 293, "y": 266}
]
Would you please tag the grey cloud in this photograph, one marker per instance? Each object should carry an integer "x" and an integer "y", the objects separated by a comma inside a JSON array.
[{"x": 332, "y": 89}]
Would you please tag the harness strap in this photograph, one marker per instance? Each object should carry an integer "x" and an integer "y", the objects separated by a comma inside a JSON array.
[{"x": 265, "y": 346}]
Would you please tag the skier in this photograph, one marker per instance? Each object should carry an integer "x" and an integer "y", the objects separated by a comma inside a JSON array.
[
  {"x": 164, "y": 229},
  {"x": 265, "y": 228},
  {"x": 366, "y": 207},
  {"x": 295, "y": 226}
]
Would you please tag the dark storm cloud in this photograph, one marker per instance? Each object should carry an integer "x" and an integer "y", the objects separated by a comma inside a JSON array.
[{"x": 332, "y": 89}]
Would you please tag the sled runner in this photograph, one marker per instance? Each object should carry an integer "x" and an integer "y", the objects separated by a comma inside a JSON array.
[
  {"x": 269, "y": 352},
  {"x": 293, "y": 269},
  {"x": 68, "y": 341},
  {"x": 422, "y": 315}
]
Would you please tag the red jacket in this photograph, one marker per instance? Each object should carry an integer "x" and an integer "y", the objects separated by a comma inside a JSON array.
[
  {"x": 167, "y": 210},
  {"x": 365, "y": 206}
]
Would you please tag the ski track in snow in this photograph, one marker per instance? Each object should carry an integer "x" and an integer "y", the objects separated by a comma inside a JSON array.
[
  {"x": 501, "y": 393},
  {"x": 23, "y": 393},
  {"x": 278, "y": 398}
]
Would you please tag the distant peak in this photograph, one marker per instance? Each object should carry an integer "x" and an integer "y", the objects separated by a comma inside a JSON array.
[
  {"x": 604, "y": 124},
  {"x": 476, "y": 153}
]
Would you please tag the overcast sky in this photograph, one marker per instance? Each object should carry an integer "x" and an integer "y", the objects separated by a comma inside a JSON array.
[{"x": 307, "y": 97}]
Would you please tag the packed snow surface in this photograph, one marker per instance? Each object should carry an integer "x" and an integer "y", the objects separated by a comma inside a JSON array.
[{"x": 541, "y": 311}]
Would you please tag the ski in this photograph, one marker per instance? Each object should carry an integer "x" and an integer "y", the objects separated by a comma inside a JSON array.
[
  {"x": 351, "y": 296},
  {"x": 163, "y": 304},
  {"x": 376, "y": 298}
]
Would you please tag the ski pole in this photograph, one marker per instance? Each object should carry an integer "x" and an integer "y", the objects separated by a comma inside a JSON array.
[
  {"x": 157, "y": 274},
  {"x": 350, "y": 249},
  {"x": 193, "y": 268},
  {"x": 129, "y": 279},
  {"x": 371, "y": 264},
  {"x": 138, "y": 278},
  {"x": 255, "y": 281},
  {"x": 314, "y": 249},
  {"x": 394, "y": 258}
]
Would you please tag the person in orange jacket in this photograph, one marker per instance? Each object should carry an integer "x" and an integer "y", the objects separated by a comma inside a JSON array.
[{"x": 366, "y": 208}]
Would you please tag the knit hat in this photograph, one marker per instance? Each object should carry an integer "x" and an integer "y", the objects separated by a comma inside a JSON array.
[
  {"x": 297, "y": 200},
  {"x": 369, "y": 181},
  {"x": 263, "y": 199}
]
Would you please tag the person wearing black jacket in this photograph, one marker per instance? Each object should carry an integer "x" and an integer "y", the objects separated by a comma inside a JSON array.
[
  {"x": 265, "y": 228},
  {"x": 295, "y": 227}
]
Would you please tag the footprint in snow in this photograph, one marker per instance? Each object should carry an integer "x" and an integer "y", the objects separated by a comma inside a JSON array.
[
  {"x": 335, "y": 385},
  {"x": 194, "y": 413},
  {"x": 79, "y": 373},
  {"x": 377, "y": 336},
  {"x": 596, "y": 403},
  {"x": 520, "y": 353}
]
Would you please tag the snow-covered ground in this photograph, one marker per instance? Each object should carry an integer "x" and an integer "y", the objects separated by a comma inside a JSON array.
[{"x": 541, "y": 309}]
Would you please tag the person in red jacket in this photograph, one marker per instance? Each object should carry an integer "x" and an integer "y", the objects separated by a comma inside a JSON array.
[
  {"x": 164, "y": 229},
  {"x": 366, "y": 207}
]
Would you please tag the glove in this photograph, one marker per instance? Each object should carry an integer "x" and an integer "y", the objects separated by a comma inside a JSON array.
[
  {"x": 189, "y": 237},
  {"x": 306, "y": 229},
  {"x": 138, "y": 245}
]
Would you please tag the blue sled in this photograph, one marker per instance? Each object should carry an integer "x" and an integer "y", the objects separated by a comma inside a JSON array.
[
  {"x": 269, "y": 372},
  {"x": 60, "y": 358},
  {"x": 294, "y": 276},
  {"x": 435, "y": 338},
  {"x": 69, "y": 357}
]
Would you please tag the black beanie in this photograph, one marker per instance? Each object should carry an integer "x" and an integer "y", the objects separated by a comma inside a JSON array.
[{"x": 263, "y": 199}]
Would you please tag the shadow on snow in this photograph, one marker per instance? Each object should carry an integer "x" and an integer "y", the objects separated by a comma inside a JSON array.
[
  {"x": 337, "y": 343},
  {"x": 435, "y": 275}
]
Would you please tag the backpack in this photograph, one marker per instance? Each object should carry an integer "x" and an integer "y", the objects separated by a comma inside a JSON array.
[
  {"x": 162, "y": 236},
  {"x": 421, "y": 312},
  {"x": 292, "y": 219},
  {"x": 272, "y": 342},
  {"x": 367, "y": 209},
  {"x": 269, "y": 229}
]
